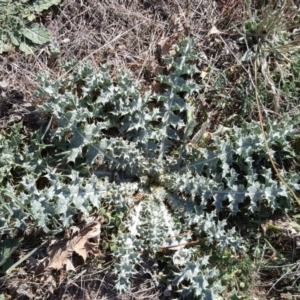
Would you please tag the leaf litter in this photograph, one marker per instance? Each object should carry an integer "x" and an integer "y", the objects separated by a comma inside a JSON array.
[{"x": 60, "y": 251}]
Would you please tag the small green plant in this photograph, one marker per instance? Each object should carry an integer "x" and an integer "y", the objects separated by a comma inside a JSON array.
[
  {"x": 17, "y": 26},
  {"x": 130, "y": 156},
  {"x": 271, "y": 39},
  {"x": 271, "y": 31}
]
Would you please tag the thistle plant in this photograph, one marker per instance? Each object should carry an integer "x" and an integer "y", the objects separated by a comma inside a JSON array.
[{"x": 114, "y": 150}]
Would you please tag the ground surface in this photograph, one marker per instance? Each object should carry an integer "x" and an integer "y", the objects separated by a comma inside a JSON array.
[{"x": 132, "y": 35}]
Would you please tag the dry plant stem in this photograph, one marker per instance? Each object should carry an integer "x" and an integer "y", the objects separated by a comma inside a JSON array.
[
  {"x": 24, "y": 258},
  {"x": 284, "y": 275},
  {"x": 181, "y": 245},
  {"x": 265, "y": 138}
]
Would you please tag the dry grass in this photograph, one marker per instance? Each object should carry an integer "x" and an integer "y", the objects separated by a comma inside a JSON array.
[
  {"x": 123, "y": 34},
  {"x": 120, "y": 33}
]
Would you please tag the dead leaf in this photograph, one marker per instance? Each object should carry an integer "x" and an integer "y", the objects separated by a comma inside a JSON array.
[
  {"x": 25, "y": 290},
  {"x": 75, "y": 240},
  {"x": 50, "y": 284},
  {"x": 180, "y": 24},
  {"x": 214, "y": 30},
  {"x": 83, "y": 246},
  {"x": 154, "y": 68},
  {"x": 167, "y": 43}
]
